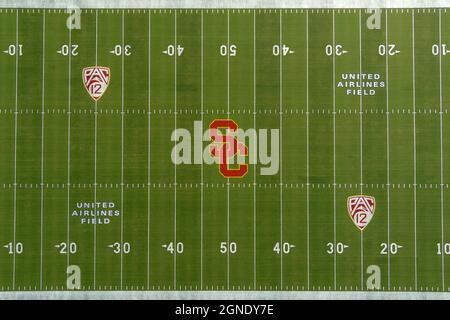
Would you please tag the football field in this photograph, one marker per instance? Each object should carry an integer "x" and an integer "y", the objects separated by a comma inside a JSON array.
[{"x": 343, "y": 103}]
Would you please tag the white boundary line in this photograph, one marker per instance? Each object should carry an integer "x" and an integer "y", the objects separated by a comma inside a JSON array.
[
  {"x": 441, "y": 147},
  {"x": 414, "y": 150},
  {"x": 42, "y": 153},
  {"x": 225, "y": 4},
  {"x": 225, "y": 295}
]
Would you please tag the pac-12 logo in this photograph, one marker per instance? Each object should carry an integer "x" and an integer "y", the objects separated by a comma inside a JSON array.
[
  {"x": 227, "y": 147},
  {"x": 361, "y": 209},
  {"x": 96, "y": 80}
]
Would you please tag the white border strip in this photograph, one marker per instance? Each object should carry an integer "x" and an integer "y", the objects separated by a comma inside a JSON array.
[
  {"x": 224, "y": 4},
  {"x": 222, "y": 295}
]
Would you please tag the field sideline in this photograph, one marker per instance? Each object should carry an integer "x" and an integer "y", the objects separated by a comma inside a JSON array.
[{"x": 186, "y": 227}]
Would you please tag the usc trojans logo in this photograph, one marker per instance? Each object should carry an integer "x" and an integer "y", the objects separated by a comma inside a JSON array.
[{"x": 226, "y": 147}]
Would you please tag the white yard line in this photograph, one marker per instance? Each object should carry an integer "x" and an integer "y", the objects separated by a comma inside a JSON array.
[
  {"x": 201, "y": 165},
  {"x": 414, "y": 151},
  {"x": 228, "y": 179},
  {"x": 175, "y": 166},
  {"x": 95, "y": 158},
  {"x": 121, "y": 149},
  {"x": 388, "y": 158},
  {"x": 334, "y": 153},
  {"x": 254, "y": 150},
  {"x": 15, "y": 154},
  {"x": 281, "y": 149},
  {"x": 307, "y": 149},
  {"x": 42, "y": 153},
  {"x": 148, "y": 151},
  {"x": 441, "y": 147},
  {"x": 361, "y": 149},
  {"x": 68, "y": 141}
]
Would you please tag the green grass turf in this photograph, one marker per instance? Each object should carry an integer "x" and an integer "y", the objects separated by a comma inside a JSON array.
[{"x": 50, "y": 161}]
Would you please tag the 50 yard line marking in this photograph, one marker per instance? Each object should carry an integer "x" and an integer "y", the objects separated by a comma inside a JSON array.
[{"x": 42, "y": 152}]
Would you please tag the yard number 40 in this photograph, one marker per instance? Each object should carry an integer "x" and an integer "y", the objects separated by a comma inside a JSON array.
[{"x": 171, "y": 50}]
